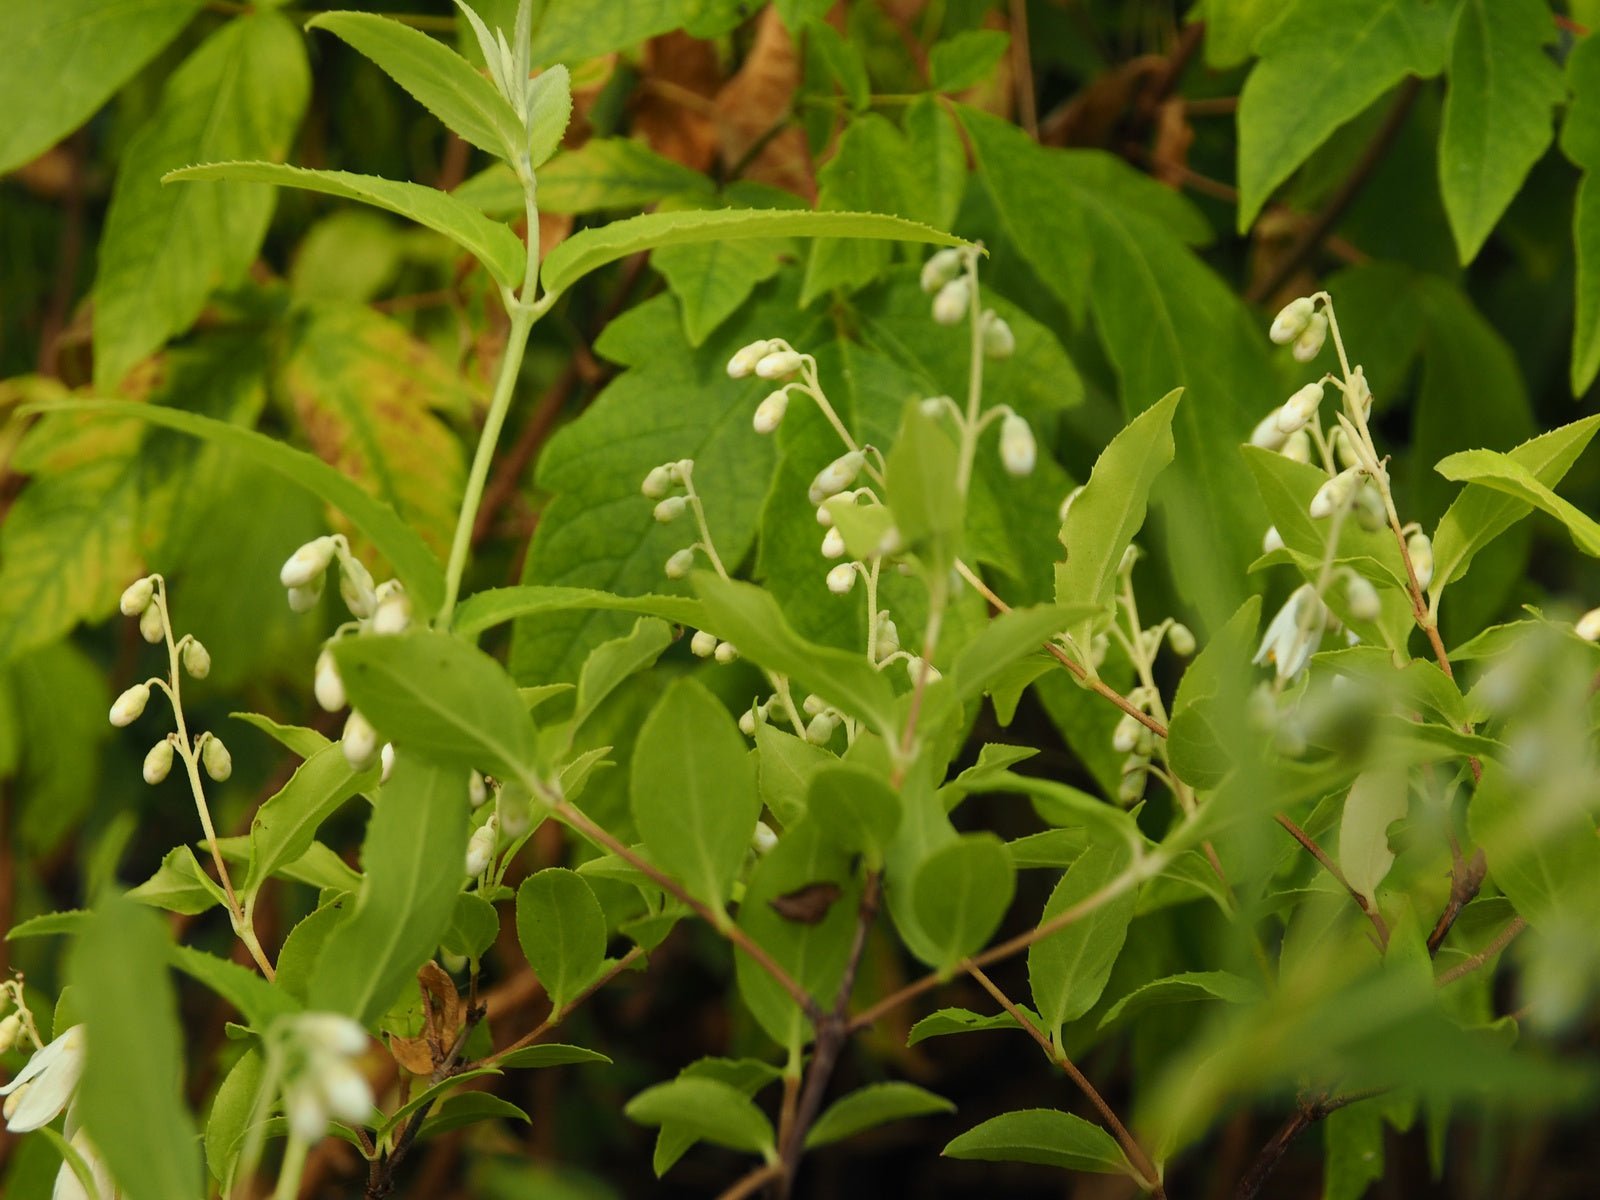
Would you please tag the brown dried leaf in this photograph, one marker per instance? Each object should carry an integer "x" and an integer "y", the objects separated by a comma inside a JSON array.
[
  {"x": 675, "y": 109},
  {"x": 757, "y": 98},
  {"x": 414, "y": 1054},
  {"x": 807, "y": 905}
]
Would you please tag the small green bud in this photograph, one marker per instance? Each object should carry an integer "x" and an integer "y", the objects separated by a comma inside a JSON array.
[{"x": 216, "y": 759}]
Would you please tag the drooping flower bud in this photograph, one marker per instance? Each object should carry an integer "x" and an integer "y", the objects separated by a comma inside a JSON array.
[
  {"x": 842, "y": 578},
  {"x": 1292, "y": 320},
  {"x": 386, "y": 761},
  {"x": 779, "y": 364},
  {"x": 769, "y": 413},
  {"x": 137, "y": 596},
  {"x": 836, "y": 476},
  {"x": 824, "y": 517},
  {"x": 670, "y": 509},
  {"x": 656, "y": 483},
  {"x": 813, "y": 704},
  {"x": 1309, "y": 344},
  {"x": 126, "y": 709},
  {"x": 1588, "y": 626},
  {"x": 763, "y": 841},
  {"x": 359, "y": 741},
  {"x": 304, "y": 599},
  {"x": 326, "y": 683},
  {"x": 150, "y": 625},
  {"x": 308, "y": 562},
  {"x": 356, "y": 587},
  {"x": 1335, "y": 494},
  {"x": 998, "y": 340},
  {"x": 833, "y": 544},
  {"x": 920, "y": 669},
  {"x": 745, "y": 358},
  {"x": 888, "y": 635},
  {"x": 393, "y": 613},
  {"x": 934, "y": 407},
  {"x": 1135, "y": 773},
  {"x": 1419, "y": 548},
  {"x": 196, "y": 659},
  {"x": 480, "y": 848},
  {"x": 216, "y": 759},
  {"x": 158, "y": 762},
  {"x": 703, "y": 644},
  {"x": 680, "y": 564},
  {"x": 1266, "y": 434},
  {"x": 477, "y": 789},
  {"x": 1298, "y": 447},
  {"x": 820, "y": 728},
  {"x": 950, "y": 305},
  {"x": 1360, "y": 394},
  {"x": 1017, "y": 449},
  {"x": 1299, "y": 408},
  {"x": 1369, "y": 510},
  {"x": 1362, "y": 598},
  {"x": 1126, "y": 735},
  {"x": 747, "y": 723},
  {"x": 1181, "y": 639},
  {"x": 725, "y": 652},
  {"x": 10, "y": 1030},
  {"x": 942, "y": 266},
  {"x": 890, "y": 543}
]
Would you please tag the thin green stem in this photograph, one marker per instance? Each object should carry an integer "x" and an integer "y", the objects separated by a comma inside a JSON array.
[
  {"x": 293, "y": 1166},
  {"x": 970, "y": 426}
]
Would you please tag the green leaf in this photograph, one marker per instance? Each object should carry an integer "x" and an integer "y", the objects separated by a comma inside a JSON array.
[
  {"x": 284, "y": 826},
  {"x": 711, "y": 1110},
  {"x": 569, "y": 33},
  {"x": 590, "y": 249},
  {"x": 1480, "y": 514},
  {"x": 60, "y": 62},
  {"x": 469, "y": 1108},
  {"x": 1068, "y": 970},
  {"x": 919, "y": 480},
  {"x": 611, "y": 663},
  {"x": 1045, "y": 1136},
  {"x": 1580, "y": 142},
  {"x": 180, "y": 885},
  {"x": 693, "y": 791},
  {"x": 297, "y": 739},
  {"x": 549, "y": 113},
  {"x": 413, "y": 562},
  {"x": 490, "y": 242},
  {"x": 252, "y": 996},
  {"x": 873, "y": 1105},
  {"x": 433, "y": 694},
  {"x": 1497, "y": 111},
  {"x": 785, "y": 766},
  {"x": 1503, "y": 473},
  {"x": 1203, "y": 741},
  {"x": 960, "y": 893},
  {"x": 474, "y": 925},
  {"x": 1182, "y": 988},
  {"x": 1061, "y": 804},
  {"x": 855, "y": 809},
  {"x": 1376, "y": 800},
  {"x": 130, "y": 1098},
  {"x": 393, "y": 1121},
  {"x": 440, "y": 79},
  {"x": 562, "y": 931},
  {"x": 495, "y": 606},
  {"x": 1320, "y": 66},
  {"x": 551, "y": 1054},
  {"x": 966, "y": 59},
  {"x": 609, "y": 173},
  {"x": 49, "y": 925},
  {"x": 947, "y": 1021},
  {"x": 239, "y": 96},
  {"x": 1232, "y": 27},
  {"x": 411, "y": 858},
  {"x": 231, "y": 1113},
  {"x": 1007, "y": 638},
  {"x": 1541, "y": 848}
]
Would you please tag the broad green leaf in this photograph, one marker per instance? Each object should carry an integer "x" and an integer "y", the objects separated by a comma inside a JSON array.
[
  {"x": 130, "y": 1099},
  {"x": 495, "y": 606},
  {"x": 1110, "y": 510},
  {"x": 1068, "y": 970},
  {"x": 785, "y": 766},
  {"x": 297, "y": 739},
  {"x": 1203, "y": 736},
  {"x": 713, "y": 1111},
  {"x": 1376, "y": 801},
  {"x": 71, "y": 921},
  {"x": 231, "y": 1113},
  {"x": 590, "y": 249},
  {"x": 1181, "y": 988},
  {"x": 297, "y": 960},
  {"x": 53, "y": 706},
  {"x": 609, "y": 173},
  {"x": 1480, "y": 514},
  {"x": 562, "y": 931},
  {"x": 1054, "y": 848},
  {"x": 1232, "y": 27},
  {"x": 474, "y": 924},
  {"x": 433, "y": 694},
  {"x": 1320, "y": 66},
  {"x": 1497, "y": 111},
  {"x": 550, "y": 1054},
  {"x": 468, "y": 1108},
  {"x": 920, "y": 482},
  {"x": 252, "y": 996},
  {"x": 966, "y": 59},
  {"x": 412, "y": 860},
  {"x": 240, "y": 95},
  {"x": 693, "y": 791},
  {"x": 1580, "y": 142},
  {"x": 947, "y": 1021},
  {"x": 440, "y": 79},
  {"x": 549, "y": 113},
  {"x": 180, "y": 885},
  {"x": 876, "y": 1104},
  {"x": 747, "y": 1075},
  {"x": 490, "y": 242},
  {"x": 284, "y": 826},
  {"x": 434, "y": 1090},
  {"x": 61, "y": 61},
  {"x": 960, "y": 893},
  {"x": 1007, "y": 638},
  {"x": 613, "y": 662},
  {"x": 571, "y": 32},
  {"x": 855, "y": 809},
  {"x": 413, "y": 562},
  {"x": 1045, "y": 1136},
  {"x": 1061, "y": 804},
  {"x": 1541, "y": 848},
  {"x": 842, "y": 61},
  {"x": 1503, "y": 473}
]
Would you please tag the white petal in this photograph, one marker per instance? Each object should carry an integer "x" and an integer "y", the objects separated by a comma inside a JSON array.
[
  {"x": 346, "y": 1092},
  {"x": 53, "y": 1075},
  {"x": 333, "y": 1032},
  {"x": 302, "y": 1105}
]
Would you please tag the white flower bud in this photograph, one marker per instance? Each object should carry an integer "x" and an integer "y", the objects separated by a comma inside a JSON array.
[
  {"x": 769, "y": 413},
  {"x": 891, "y": 543},
  {"x": 356, "y": 587},
  {"x": 1588, "y": 626},
  {"x": 1362, "y": 598},
  {"x": 386, "y": 761},
  {"x": 779, "y": 364},
  {"x": 763, "y": 840},
  {"x": 1181, "y": 639},
  {"x": 836, "y": 476},
  {"x": 480, "y": 849},
  {"x": 941, "y": 267},
  {"x": 1335, "y": 494},
  {"x": 1369, "y": 510},
  {"x": 307, "y": 563},
  {"x": 1298, "y": 447},
  {"x": 888, "y": 634},
  {"x": 824, "y": 517},
  {"x": 998, "y": 340},
  {"x": 656, "y": 483},
  {"x": 842, "y": 578},
  {"x": 934, "y": 407},
  {"x": 10, "y": 1031},
  {"x": 1135, "y": 772},
  {"x": 950, "y": 305},
  {"x": 1419, "y": 548},
  {"x": 1299, "y": 408},
  {"x": 670, "y": 509},
  {"x": 393, "y": 613},
  {"x": 150, "y": 625},
  {"x": 326, "y": 684},
  {"x": 216, "y": 759},
  {"x": 158, "y": 762},
  {"x": 833, "y": 544},
  {"x": 746, "y": 357},
  {"x": 918, "y": 668},
  {"x": 725, "y": 652},
  {"x": 703, "y": 644},
  {"x": 680, "y": 564},
  {"x": 359, "y": 741},
  {"x": 1272, "y": 540},
  {"x": 682, "y": 470},
  {"x": 1266, "y": 434},
  {"x": 747, "y": 723},
  {"x": 126, "y": 709},
  {"x": 820, "y": 728},
  {"x": 813, "y": 704},
  {"x": 304, "y": 599},
  {"x": 196, "y": 659},
  {"x": 1017, "y": 449},
  {"x": 1292, "y": 320},
  {"x": 477, "y": 789},
  {"x": 1360, "y": 394},
  {"x": 1126, "y": 735},
  {"x": 137, "y": 596},
  {"x": 1309, "y": 344}
]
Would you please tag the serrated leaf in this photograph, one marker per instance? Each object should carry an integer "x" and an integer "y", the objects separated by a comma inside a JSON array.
[
  {"x": 1580, "y": 142},
  {"x": 495, "y": 606},
  {"x": 1045, "y": 1136},
  {"x": 611, "y": 663},
  {"x": 965, "y": 60},
  {"x": 876, "y": 1104},
  {"x": 569, "y": 33},
  {"x": 947, "y": 1021},
  {"x": 180, "y": 885},
  {"x": 1068, "y": 970},
  {"x": 549, "y": 106},
  {"x": 562, "y": 932},
  {"x": 469, "y": 1108},
  {"x": 252, "y": 997},
  {"x": 286, "y": 823},
  {"x": 1182, "y": 988},
  {"x": 550, "y": 1054},
  {"x": 1503, "y": 473},
  {"x": 231, "y": 1113},
  {"x": 609, "y": 173},
  {"x": 490, "y": 242}
]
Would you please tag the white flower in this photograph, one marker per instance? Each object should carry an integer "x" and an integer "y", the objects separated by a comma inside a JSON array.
[
  {"x": 158, "y": 762},
  {"x": 321, "y": 1081},
  {"x": 359, "y": 741},
  {"x": 1017, "y": 449},
  {"x": 67, "y": 1186},
  {"x": 779, "y": 363},
  {"x": 670, "y": 509},
  {"x": 836, "y": 476},
  {"x": 393, "y": 612},
  {"x": 769, "y": 413},
  {"x": 218, "y": 762},
  {"x": 308, "y": 563},
  {"x": 1299, "y": 408},
  {"x": 1266, "y": 434},
  {"x": 1285, "y": 644},
  {"x": 46, "y": 1084},
  {"x": 940, "y": 269},
  {"x": 137, "y": 596},
  {"x": 1292, "y": 320},
  {"x": 703, "y": 644},
  {"x": 1588, "y": 626},
  {"x": 842, "y": 578},
  {"x": 998, "y": 340},
  {"x": 833, "y": 544},
  {"x": 745, "y": 358},
  {"x": 128, "y": 707},
  {"x": 680, "y": 564},
  {"x": 1309, "y": 344},
  {"x": 1420, "y": 550},
  {"x": 656, "y": 483},
  {"x": 196, "y": 659},
  {"x": 950, "y": 305},
  {"x": 327, "y": 685}
]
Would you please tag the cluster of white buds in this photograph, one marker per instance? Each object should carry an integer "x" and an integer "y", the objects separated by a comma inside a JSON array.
[
  {"x": 305, "y": 572},
  {"x": 139, "y": 600},
  {"x": 658, "y": 485},
  {"x": 765, "y": 358},
  {"x": 1290, "y": 417},
  {"x": 1293, "y": 635},
  {"x": 321, "y": 1082},
  {"x": 823, "y": 720},
  {"x": 998, "y": 340},
  {"x": 481, "y": 846},
  {"x": 1133, "y": 736},
  {"x": 1018, "y": 451},
  {"x": 1300, "y": 325},
  {"x": 943, "y": 278},
  {"x": 1419, "y": 549},
  {"x": 706, "y": 645}
]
